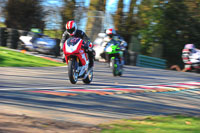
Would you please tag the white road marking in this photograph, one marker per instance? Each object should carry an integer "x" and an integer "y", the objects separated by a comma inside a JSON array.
[
  {"x": 42, "y": 88},
  {"x": 111, "y": 85}
]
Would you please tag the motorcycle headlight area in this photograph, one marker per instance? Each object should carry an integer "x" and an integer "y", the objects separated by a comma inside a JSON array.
[
  {"x": 70, "y": 48},
  {"x": 109, "y": 49}
]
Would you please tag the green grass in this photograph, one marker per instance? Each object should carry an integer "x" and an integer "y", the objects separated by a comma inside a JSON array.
[
  {"x": 9, "y": 58},
  {"x": 53, "y": 33},
  {"x": 2, "y": 25},
  {"x": 155, "y": 124}
]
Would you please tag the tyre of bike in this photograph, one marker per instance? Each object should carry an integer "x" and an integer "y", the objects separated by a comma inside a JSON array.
[
  {"x": 118, "y": 67},
  {"x": 72, "y": 71},
  {"x": 120, "y": 70},
  {"x": 114, "y": 67},
  {"x": 89, "y": 77}
]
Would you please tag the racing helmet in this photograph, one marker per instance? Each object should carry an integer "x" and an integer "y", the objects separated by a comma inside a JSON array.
[
  {"x": 71, "y": 27},
  {"x": 110, "y": 32},
  {"x": 189, "y": 46}
]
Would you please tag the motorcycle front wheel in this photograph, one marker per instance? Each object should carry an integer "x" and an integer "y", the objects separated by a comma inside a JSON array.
[
  {"x": 72, "y": 71},
  {"x": 120, "y": 71},
  {"x": 89, "y": 77},
  {"x": 114, "y": 67}
]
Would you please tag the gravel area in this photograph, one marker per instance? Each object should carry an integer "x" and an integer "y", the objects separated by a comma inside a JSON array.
[{"x": 10, "y": 123}]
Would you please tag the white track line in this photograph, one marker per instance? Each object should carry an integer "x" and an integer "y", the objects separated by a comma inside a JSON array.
[{"x": 111, "y": 85}]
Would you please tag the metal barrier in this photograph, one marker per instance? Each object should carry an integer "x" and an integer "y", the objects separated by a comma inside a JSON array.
[
  {"x": 130, "y": 58},
  {"x": 12, "y": 38},
  {"x": 150, "y": 62},
  {"x": 3, "y": 36}
]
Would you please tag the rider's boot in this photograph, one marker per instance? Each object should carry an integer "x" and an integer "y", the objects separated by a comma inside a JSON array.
[
  {"x": 63, "y": 58},
  {"x": 107, "y": 60},
  {"x": 91, "y": 54}
]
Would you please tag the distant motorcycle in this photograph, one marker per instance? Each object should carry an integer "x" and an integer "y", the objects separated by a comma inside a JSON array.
[
  {"x": 77, "y": 60},
  {"x": 115, "y": 53}
]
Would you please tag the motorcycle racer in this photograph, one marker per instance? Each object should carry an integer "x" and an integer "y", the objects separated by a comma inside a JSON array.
[
  {"x": 109, "y": 36},
  {"x": 112, "y": 37},
  {"x": 73, "y": 31},
  {"x": 191, "y": 57}
]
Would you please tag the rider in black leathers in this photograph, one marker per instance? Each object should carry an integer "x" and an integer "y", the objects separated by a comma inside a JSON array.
[
  {"x": 112, "y": 37},
  {"x": 72, "y": 31}
]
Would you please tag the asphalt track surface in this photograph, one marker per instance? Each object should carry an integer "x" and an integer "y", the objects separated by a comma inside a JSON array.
[{"x": 46, "y": 92}]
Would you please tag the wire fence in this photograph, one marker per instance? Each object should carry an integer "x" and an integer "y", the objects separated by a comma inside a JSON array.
[{"x": 93, "y": 22}]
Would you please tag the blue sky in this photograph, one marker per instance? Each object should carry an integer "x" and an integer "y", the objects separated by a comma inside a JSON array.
[{"x": 111, "y": 5}]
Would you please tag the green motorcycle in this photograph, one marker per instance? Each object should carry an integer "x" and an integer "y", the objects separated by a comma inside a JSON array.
[{"x": 115, "y": 55}]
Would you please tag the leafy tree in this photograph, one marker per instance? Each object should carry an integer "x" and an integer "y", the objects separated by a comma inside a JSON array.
[
  {"x": 95, "y": 14},
  {"x": 167, "y": 25},
  {"x": 67, "y": 12},
  {"x": 181, "y": 25},
  {"x": 119, "y": 17},
  {"x": 130, "y": 17},
  {"x": 97, "y": 5},
  {"x": 150, "y": 27},
  {"x": 130, "y": 22},
  {"x": 193, "y": 19},
  {"x": 24, "y": 14},
  {"x": 102, "y": 5}
]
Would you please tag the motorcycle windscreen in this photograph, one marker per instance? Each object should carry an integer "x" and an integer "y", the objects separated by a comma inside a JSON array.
[
  {"x": 73, "y": 41},
  {"x": 72, "y": 45}
]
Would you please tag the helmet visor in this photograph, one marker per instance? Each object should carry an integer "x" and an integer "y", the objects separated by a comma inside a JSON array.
[
  {"x": 71, "y": 30},
  {"x": 110, "y": 35}
]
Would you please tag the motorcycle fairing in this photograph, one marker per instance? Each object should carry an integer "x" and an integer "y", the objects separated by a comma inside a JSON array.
[{"x": 72, "y": 47}]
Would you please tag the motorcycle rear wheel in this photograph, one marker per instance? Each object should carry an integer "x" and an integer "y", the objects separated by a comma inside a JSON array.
[{"x": 73, "y": 75}]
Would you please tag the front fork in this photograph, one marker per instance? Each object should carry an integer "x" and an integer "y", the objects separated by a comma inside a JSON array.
[
  {"x": 76, "y": 62},
  {"x": 121, "y": 57}
]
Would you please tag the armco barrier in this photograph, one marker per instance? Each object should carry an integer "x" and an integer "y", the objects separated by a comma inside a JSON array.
[
  {"x": 130, "y": 58},
  {"x": 22, "y": 32},
  {"x": 13, "y": 38},
  {"x": 57, "y": 47},
  {"x": 3, "y": 36},
  {"x": 10, "y": 37},
  {"x": 150, "y": 62}
]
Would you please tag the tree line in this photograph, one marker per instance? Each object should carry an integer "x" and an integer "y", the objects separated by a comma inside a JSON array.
[{"x": 160, "y": 28}]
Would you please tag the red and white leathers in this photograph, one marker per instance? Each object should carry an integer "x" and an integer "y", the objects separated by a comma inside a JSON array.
[
  {"x": 73, "y": 31},
  {"x": 191, "y": 56}
]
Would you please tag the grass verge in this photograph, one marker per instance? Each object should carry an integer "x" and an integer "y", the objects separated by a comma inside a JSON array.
[
  {"x": 9, "y": 58},
  {"x": 155, "y": 124}
]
